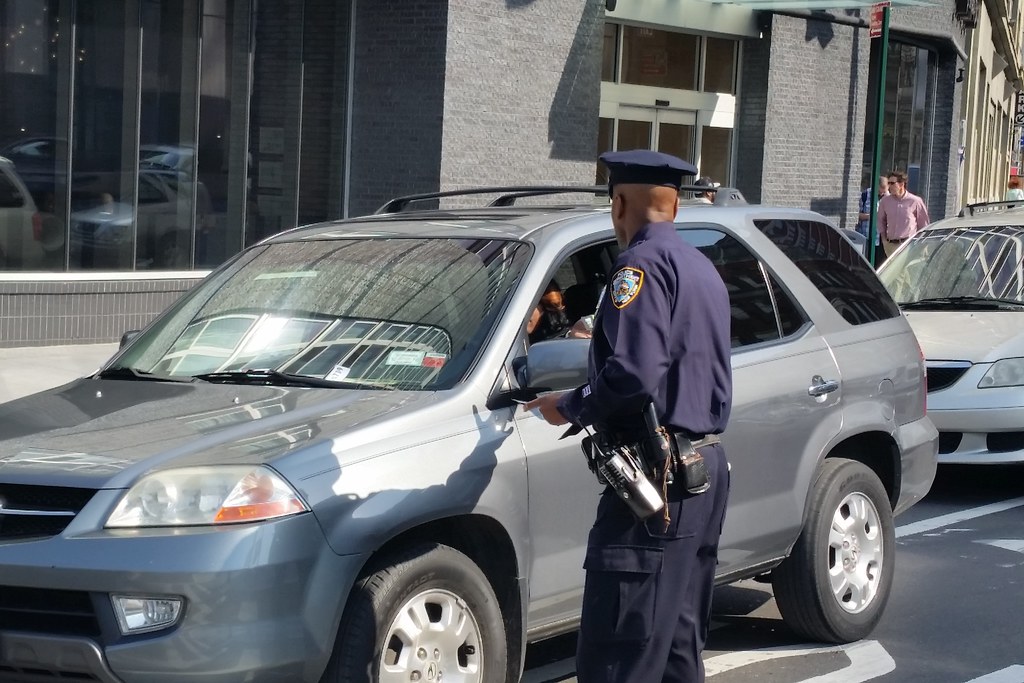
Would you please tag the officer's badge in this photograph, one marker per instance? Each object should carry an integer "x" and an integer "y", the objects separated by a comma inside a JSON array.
[{"x": 625, "y": 286}]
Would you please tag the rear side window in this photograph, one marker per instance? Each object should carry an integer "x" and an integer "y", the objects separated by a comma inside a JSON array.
[
  {"x": 761, "y": 309},
  {"x": 833, "y": 266}
]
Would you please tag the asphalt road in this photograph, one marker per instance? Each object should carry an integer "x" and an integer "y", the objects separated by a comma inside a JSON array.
[{"x": 953, "y": 616}]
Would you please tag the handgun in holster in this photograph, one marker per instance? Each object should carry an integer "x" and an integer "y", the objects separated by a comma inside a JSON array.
[{"x": 672, "y": 456}]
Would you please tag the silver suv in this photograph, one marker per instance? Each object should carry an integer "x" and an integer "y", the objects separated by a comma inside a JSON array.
[{"x": 312, "y": 466}]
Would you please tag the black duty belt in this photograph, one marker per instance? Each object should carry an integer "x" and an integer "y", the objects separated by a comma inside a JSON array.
[{"x": 704, "y": 440}]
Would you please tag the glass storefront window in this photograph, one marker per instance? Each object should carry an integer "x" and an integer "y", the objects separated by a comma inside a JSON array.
[
  {"x": 715, "y": 147},
  {"x": 667, "y": 59},
  {"x": 611, "y": 48},
  {"x": 659, "y": 58},
  {"x": 909, "y": 103},
  {"x": 604, "y": 143},
  {"x": 172, "y": 205},
  {"x": 103, "y": 182},
  {"x": 224, "y": 163},
  {"x": 33, "y": 134},
  {"x": 720, "y": 65}
]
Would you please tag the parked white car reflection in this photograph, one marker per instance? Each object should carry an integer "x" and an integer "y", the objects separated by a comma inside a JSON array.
[
  {"x": 20, "y": 223},
  {"x": 961, "y": 284},
  {"x": 103, "y": 236}
]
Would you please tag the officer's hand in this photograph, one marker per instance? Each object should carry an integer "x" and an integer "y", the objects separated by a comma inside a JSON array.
[{"x": 548, "y": 407}]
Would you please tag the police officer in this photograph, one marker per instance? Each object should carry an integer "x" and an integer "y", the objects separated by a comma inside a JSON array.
[{"x": 661, "y": 335}]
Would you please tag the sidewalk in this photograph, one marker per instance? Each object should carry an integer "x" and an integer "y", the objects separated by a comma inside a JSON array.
[{"x": 26, "y": 370}]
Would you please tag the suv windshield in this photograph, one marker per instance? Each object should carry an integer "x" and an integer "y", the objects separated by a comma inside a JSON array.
[
  {"x": 368, "y": 312},
  {"x": 966, "y": 265}
]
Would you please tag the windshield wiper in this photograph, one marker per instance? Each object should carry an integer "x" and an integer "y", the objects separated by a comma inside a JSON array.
[
  {"x": 973, "y": 301},
  {"x": 129, "y": 373},
  {"x": 278, "y": 378}
]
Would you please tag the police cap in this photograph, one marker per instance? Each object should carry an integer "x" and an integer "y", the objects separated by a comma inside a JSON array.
[{"x": 645, "y": 167}]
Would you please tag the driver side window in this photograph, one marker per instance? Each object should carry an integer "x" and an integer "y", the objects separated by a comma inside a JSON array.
[{"x": 573, "y": 291}]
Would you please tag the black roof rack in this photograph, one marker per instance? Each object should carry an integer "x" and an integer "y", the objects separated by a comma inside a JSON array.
[
  {"x": 982, "y": 207},
  {"x": 508, "y": 195}
]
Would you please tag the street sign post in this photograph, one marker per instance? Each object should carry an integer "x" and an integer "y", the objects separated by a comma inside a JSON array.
[
  {"x": 1018, "y": 112},
  {"x": 879, "y": 18}
]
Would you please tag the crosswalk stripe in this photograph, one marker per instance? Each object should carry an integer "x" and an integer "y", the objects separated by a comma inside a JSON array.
[
  {"x": 1011, "y": 674},
  {"x": 933, "y": 523}
]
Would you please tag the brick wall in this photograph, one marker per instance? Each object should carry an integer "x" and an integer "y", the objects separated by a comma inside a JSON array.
[
  {"x": 398, "y": 100},
  {"x": 813, "y": 125},
  {"x": 522, "y": 91},
  {"x": 801, "y": 135},
  {"x": 82, "y": 312},
  {"x": 751, "y": 115}
]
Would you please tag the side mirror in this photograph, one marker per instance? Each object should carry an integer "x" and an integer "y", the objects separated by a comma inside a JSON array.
[
  {"x": 127, "y": 338},
  {"x": 553, "y": 365}
]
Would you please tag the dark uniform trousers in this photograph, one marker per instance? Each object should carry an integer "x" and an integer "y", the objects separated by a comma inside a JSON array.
[{"x": 647, "y": 600}]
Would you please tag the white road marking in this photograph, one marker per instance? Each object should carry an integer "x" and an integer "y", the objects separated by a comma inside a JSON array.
[
  {"x": 868, "y": 660},
  {"x": 1012, "y": 544},
  {"x": 956, "y": 517},
  {"x": 1011, "y": 674}
]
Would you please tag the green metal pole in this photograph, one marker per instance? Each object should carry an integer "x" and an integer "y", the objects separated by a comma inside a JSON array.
[{"x": 876, "y": 161}]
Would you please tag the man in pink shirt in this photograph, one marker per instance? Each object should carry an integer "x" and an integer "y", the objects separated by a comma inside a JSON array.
[{"x": 900, "y": 213}]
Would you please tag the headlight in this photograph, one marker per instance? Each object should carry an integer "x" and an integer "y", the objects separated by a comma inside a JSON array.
[
  {"x": 1008, "y": 372},
  {"x": 196, "y": 496}
]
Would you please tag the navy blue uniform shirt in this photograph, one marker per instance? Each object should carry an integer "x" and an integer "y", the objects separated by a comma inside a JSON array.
[{"x": 662, "y": 331}]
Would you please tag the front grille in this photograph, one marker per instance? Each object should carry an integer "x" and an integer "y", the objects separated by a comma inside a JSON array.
[
  {"x": 53, "y": 612},
  {"x": 28, "y": 511},
  {"x": 949, "y": 441},
  {"x": 940, "y": 377},
  {"x": 10, "y": 674},
  {"x": 1004, "y": 442}
]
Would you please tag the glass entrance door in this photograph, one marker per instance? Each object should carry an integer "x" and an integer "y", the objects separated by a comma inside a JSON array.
[{"x": 665, "y": 130}]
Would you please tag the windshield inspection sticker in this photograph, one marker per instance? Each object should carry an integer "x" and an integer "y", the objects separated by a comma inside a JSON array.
[
  {"x": 434, "y": 360},
  {"x": 405, "y": 358},
  {"x": 337, "y": 373}
]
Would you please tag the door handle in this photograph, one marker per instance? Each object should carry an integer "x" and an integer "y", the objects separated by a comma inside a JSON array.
[{"x": 820, "y": 386}]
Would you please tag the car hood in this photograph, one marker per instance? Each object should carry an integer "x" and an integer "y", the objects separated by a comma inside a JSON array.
[
  {"x": 105, "y": 433},
  {"x": 976, "y": 336}
]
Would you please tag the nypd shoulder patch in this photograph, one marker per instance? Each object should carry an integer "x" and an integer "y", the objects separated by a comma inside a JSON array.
[{"x": 625, "y": 287}]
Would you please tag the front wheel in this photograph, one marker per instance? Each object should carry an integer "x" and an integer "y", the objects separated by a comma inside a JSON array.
[
  {"x": 834, "y": 586},
  {"x": 427, "y": 614}
]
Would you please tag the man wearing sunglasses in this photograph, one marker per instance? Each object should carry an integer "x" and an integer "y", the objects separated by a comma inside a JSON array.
[{"x": 900, "y": 213}]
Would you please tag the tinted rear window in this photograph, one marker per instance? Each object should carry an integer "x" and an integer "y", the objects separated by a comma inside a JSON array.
[
  {"x": 833, "y": 266},
  {"x": 761, "y": 311}
]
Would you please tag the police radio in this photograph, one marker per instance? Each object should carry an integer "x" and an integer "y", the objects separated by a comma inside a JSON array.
[{"x": 621, "y": 468}]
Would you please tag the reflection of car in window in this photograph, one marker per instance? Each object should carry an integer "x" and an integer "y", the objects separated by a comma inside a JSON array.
[
  {"x": 21, "y": 227},
  {"x": 103, "y": 234}
]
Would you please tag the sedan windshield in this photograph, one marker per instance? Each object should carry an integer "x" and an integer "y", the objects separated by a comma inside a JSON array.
[
  {"x": 959, "y": 267},
  {"x": 363, "y": 313}
]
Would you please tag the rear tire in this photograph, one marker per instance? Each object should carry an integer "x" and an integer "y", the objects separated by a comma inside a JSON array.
[
  {"x": 835, "y": 584},
  {"x": 428, "y": 609}
]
